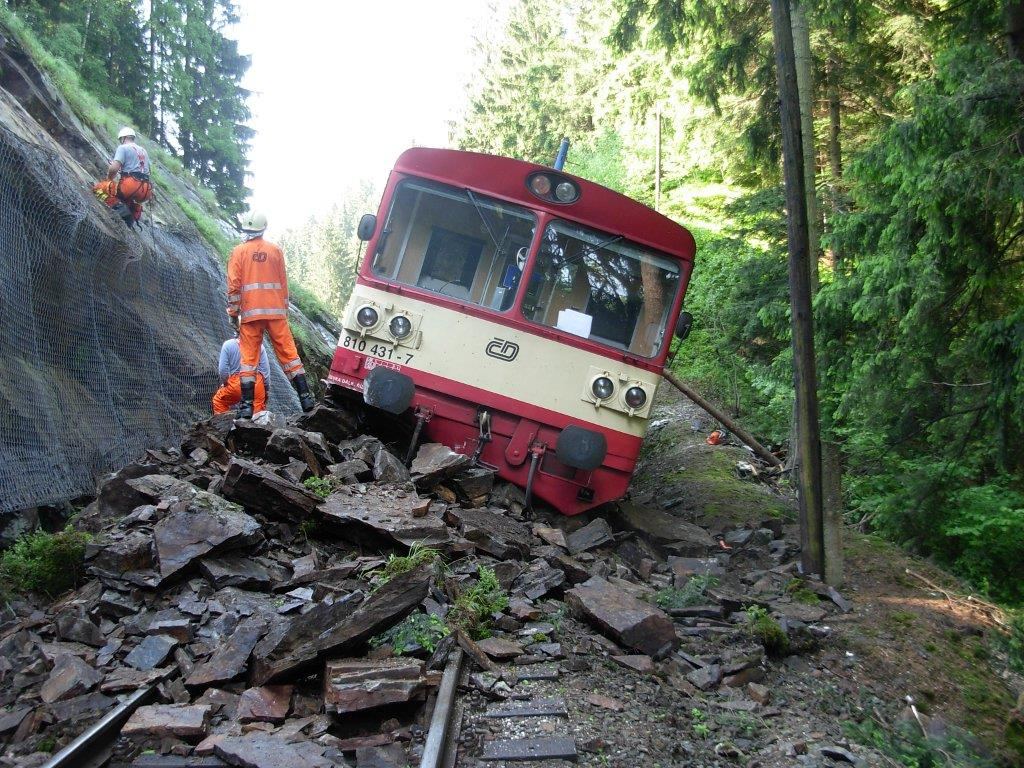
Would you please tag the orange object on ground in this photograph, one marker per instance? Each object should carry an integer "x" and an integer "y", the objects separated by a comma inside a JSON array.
[
  {"x": 225, "y": 398},
  {"x": 250, "y": 339},
  {"x": 715, "y": 438},
  {"x": 257, "y": 284}
]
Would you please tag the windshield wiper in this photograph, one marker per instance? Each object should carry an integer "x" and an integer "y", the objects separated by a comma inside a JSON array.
[{"x": 487, "y": 224}]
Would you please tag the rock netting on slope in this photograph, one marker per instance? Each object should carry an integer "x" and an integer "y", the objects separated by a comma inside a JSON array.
[
  {"x": 249, "y": 602},
  {"x": 110, "y": 336}
]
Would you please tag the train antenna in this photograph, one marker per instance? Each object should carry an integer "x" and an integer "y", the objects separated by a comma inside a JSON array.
[{"x": 563, "y": 150}]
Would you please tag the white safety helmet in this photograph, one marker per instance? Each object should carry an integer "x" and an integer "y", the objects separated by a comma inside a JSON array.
[
  {"x": 126, "y": 132},
  {"x": 254, "y": 222}
]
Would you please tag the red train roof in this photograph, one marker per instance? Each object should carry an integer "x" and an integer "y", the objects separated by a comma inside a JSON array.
[{"x": 598, "y": 206}]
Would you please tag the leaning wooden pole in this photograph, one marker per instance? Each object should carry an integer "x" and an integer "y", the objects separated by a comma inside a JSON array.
[
  {"x": 729, "y": 424},
  {"x": 804, "y": 378}
]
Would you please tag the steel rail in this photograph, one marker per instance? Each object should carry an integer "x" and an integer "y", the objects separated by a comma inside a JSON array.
[
  {"x": 84, "y": 747},
  {"x": 434, "y": 749}
]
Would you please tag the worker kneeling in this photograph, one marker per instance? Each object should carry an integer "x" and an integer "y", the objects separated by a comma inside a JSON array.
[
  {"x": 229, "y": 368},
  {"x": 126, "y": 194},
  {"x": 258, "y": 302}
]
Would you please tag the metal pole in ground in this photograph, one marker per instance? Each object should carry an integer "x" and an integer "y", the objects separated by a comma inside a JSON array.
[{"x": 433, "y": 750}]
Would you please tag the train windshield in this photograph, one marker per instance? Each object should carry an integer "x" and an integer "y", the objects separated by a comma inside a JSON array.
[
  {"x": 602, "y": 287},
  {"x": 455, "y": 243}
]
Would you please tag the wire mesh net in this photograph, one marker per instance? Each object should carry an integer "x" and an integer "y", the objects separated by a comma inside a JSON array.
[{"x": 108, "y": 337}]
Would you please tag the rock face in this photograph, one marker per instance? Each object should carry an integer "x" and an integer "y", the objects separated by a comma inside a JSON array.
[
  {"x": 625, "y": 619},
  {"x": 384, "y": 513},
  {"x": 85, "y": 398}
]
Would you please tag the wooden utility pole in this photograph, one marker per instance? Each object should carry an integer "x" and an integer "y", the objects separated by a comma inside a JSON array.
[
  {"x": 804, "y": 378},
  {"x": 657, "y": 162}
]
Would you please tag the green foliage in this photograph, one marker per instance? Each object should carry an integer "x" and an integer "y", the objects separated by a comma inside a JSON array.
[
  {"x": 396, "y": 565},
  {"x": 767, "y": 631},
  {"x": 416, "y": 630},
  {"x": 1015, "y": 642},
  {"x": 907, "y": 746},
  {"x": 473, "y": 608},
  {"x": 322, "y": 486},
  {"x": 694, "y": 592},
  {"x": 307, "y": 528},
  {"x": 46, "y": 562},
  {"x": 799, "y": 591}
]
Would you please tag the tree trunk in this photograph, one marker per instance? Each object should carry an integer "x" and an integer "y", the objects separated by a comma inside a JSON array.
[
  {"x": 804, "y": 376},
  {"x": 805, "y": 87}
]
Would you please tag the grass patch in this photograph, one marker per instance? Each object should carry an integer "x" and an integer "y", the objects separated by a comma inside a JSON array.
[
  {"x": 51, "y": 563},
  {"x": 418, "y": 630},
  {"x": 473, "y": 608},
  {"x": 310, "y": 305},
  {"x": 694, "y": 592},
  {"x": 767, "y": 631},
  {"x": 798, "y": 590},
  {"x": 396, "y": 565}
]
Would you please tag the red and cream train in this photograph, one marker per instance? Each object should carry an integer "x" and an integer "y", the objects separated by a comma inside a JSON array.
[{"x": 517, "y": 314}]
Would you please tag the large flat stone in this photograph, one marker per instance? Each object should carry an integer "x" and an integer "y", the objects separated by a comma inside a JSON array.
[
  {"x": 622, "y": 617},
  {"x": 384, "y": 513},
  {"x": 189, "y": 722},
  {"x": 661, "y": 527},
  {"x": 492, "y": 532},
  {"x": 209, "y": 525},
  {"x": 70, "y": 677},
  {"x": 434, "y": 462},
  {"x": 267, "y": 704},
  {"x": 593, "y": 534},
  {"x": 151, "y": 652},
  {"x": 230, "y": 659},
  {"x": 241, "y": 571},
  {"x": 260, "y": 490},
  {"x": 255, "y": 750},
  {"x": 351, "y": 685},
  {"x": 333, "y": 423}
]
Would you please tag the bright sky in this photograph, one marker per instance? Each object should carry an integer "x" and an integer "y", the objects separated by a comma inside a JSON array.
[{"x": 342, "y": 87}]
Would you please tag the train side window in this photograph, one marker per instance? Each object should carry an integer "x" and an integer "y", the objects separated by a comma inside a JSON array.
[
  {"x": 455, "y": 243},
  {"x": 625, "y": 290}
]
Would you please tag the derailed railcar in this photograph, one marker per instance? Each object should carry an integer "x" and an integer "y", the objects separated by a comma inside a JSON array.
[{"x": 517, "y": 314}]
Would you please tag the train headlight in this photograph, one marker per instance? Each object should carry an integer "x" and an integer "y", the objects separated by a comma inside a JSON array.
[
  {"x": 635, "y": 397},
  {"x": 367, "y": 317},
  {"x": 602, "y": 387},
  {"x": 400, "y": 326},
  {"x": 566, "y": 192}
]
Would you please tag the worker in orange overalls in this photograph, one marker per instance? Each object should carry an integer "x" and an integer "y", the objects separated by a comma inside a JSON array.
[
  {"x": 258, "y": 302},
  {"x": 229, "y": 367},
  {"x": 125, "y": 195}
]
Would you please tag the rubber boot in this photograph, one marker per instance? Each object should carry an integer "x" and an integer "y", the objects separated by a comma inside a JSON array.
[
  {"x": 245, "y": 404},
  {"x": 306, "y": 399}
]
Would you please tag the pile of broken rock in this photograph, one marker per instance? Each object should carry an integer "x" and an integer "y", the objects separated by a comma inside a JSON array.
[{"x": 245, "y": 603}]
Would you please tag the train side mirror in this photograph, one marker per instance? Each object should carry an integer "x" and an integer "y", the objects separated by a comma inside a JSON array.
[
  {"x": 367, "y": 226},
  {"x": 683, "y": 325}
]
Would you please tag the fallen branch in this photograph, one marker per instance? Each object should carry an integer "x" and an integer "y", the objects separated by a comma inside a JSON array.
[
  {"x": 731, "y": 425},
  {"x": 993, "y": 612}
]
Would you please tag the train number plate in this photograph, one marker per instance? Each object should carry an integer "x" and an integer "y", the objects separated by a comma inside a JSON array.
[{"x": 377, "y": 349}]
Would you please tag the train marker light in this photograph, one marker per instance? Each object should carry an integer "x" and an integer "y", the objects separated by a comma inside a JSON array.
[
  {"x": 602, "y": 387},
  {"x": 400, "y": 326},
  {"x": 566, "y": 192},
  {"x": 540, "y": 185},
  {"x": 367, "y": 317},
  {"x": 635, "y": 397}
]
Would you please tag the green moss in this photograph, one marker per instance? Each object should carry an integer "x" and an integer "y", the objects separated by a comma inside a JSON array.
[
  {"x": 694, "y": 592},
  {"x": 396, "y": 565},
  {"x": 322, "y": 486},
  {"x": 767, "y": 631},
  {"x": 46, "y": 562}
]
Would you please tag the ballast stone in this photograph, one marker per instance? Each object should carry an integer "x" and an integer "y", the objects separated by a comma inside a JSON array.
[{"x": 624, "y": 618}]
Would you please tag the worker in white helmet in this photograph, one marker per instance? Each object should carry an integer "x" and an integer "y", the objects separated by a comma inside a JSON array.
[
  {"x": 258, "y": 303},
  {"x": 127, "y": 186}
]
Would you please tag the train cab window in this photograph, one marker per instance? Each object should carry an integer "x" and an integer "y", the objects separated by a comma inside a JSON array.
[
  {"x": 455, "y": 243},
  {"x": 602, "y": 287}
]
